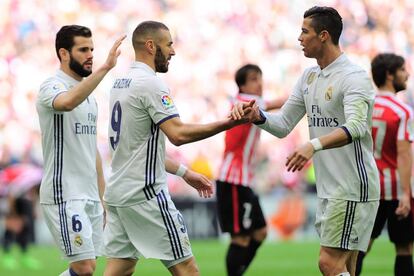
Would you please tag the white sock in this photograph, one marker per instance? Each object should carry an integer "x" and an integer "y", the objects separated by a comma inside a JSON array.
[
  {"x": 68, "y": 272},
  {"x": 65, "y": 273},
  {"x": 344, "y": 274}
]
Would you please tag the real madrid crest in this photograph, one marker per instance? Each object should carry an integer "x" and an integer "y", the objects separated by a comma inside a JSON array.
[
  {"x": 328, "y": 93},
  {"x": 78, "y": 241},
  {"x": 311, "y": 78}
]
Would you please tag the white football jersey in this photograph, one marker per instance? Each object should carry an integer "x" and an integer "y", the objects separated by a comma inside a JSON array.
[
  {"x": 339, "y": 96},
  {"x": 139, "y": 103},
  {"x": 69, "y": 144}
]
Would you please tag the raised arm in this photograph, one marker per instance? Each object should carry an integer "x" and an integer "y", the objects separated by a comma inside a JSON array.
[{"x": 68, "y": 100}]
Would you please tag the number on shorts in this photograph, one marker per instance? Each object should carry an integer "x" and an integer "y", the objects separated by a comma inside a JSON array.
[
  {"x": 247, "y": 221},
  {"x": 381, "y": 127},
  {"x": 181, "y": 221},
  {"x": 76, "y": 224},
  {"x": 116, "y": 124}
]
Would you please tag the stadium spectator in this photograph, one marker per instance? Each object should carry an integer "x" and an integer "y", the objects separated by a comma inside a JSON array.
[
  {"x": 73, "y": 184},
  {"x": 338, "y": 98},
  {"x": 392, "y": 132}
]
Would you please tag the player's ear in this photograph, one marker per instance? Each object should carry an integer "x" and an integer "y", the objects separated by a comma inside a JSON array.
[
  {"x": 389, "y": 76},
  {"x": 150, "y": 46},
  {"x": 64, "y": 54},
  {"x": 324, "y": 36}
]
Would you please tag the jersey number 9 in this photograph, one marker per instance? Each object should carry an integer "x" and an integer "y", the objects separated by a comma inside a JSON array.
[{"x": 116, "y": 124}]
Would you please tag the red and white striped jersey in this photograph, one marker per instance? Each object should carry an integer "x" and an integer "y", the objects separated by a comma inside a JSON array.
[
  {"x": 392, "y": 122},
  {"x": 241, "y": 143}
]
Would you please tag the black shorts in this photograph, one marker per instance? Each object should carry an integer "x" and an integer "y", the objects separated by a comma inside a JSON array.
[
  {"x": 238, "y": 209},
  {"x": 399, "y": 231}
]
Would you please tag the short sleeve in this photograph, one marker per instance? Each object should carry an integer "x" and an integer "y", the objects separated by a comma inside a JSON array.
[
  {"x": 405, "y": 127},
  {"x": 48, "y": 92},
  {"x": 159, "y": 102}
]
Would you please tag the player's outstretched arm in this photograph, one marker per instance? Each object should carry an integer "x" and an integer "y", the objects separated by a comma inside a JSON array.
[
  {"x": 70, "y": 99},
  {"x": 198, "y": 181},
  {"x": 180, "y": 133}
]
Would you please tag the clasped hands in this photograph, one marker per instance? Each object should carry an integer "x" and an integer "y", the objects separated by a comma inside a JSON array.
[{"x": 246, "y": 112}]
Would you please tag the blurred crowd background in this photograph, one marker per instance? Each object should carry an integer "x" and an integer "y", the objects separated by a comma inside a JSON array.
[{"x": 212, "y": 39}]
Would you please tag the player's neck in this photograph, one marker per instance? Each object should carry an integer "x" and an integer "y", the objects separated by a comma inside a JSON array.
[
  {"x": 70, "y": 73},
  {"x": 387, "y": 87},
  {"x": 148, "y": 60},
  {"x": 329, "y": 55}
]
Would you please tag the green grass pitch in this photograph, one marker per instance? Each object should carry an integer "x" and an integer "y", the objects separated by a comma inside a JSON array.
[{"x": 274, "y": 258}]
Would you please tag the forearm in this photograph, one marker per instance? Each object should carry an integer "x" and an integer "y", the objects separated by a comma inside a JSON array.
[
  {"x": 171, "y": 166},
  {"x": 404, "y": 161},
  {"x": 100, "y": 176},
  {"x": 12, "y": 204},
  {"x": 67, "y": 101},
  {"x": 335, "y": 139},
  {"x": 188, "y": 133},
  {"x": 274, "y": 104},
  {"x": 281, "y": 123}
]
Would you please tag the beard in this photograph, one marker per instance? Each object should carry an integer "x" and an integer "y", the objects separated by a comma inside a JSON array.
[
  {"x": 76, "y": 67},
  {"x": 161, "y": 62},
  {"x": 398, "y": 86}
]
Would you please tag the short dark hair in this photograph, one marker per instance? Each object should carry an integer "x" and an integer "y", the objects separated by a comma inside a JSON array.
[
  {"x": 146, "y": 29},
  {"x": 326, "y": 18},
  {"x": 383, "y": 64},
  {"x": 241, "y": 74},
  {"x": 65, "y": 36}
]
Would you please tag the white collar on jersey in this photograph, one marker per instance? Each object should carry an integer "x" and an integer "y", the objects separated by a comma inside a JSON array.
[
  {"x": 141, "y": 65},
  {"x": 66, "y": 77},
  {"x": 335, "y": 65}
]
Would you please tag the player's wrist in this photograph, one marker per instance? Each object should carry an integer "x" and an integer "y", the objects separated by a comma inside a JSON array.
[
  {"x": 181, "y": 171},
  {"x": 261, "y": 118},
  {"x": 316, "y": 144}
]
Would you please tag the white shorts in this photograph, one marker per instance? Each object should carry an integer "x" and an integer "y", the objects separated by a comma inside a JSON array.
[
  {"x": 345, "y": 224},
  {"x": 77, "y": 228},
  {"x": 151, "y": 229}
]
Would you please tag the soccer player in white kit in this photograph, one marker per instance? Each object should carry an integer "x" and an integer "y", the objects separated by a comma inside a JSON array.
[
  {"x": 142, "y": 221},
  {"x": 73, "y": 183},
  {"x": 338, "y": 98}
]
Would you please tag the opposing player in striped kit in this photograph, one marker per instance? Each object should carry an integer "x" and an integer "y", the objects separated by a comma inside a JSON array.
[
  {"x": 338, "y": 98},
  {"x": 392, "y": 132},
  {"x": 72, "y": 186},
  {"x": 238, "y": 206},
  {"x": 142, "y": 220}
]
